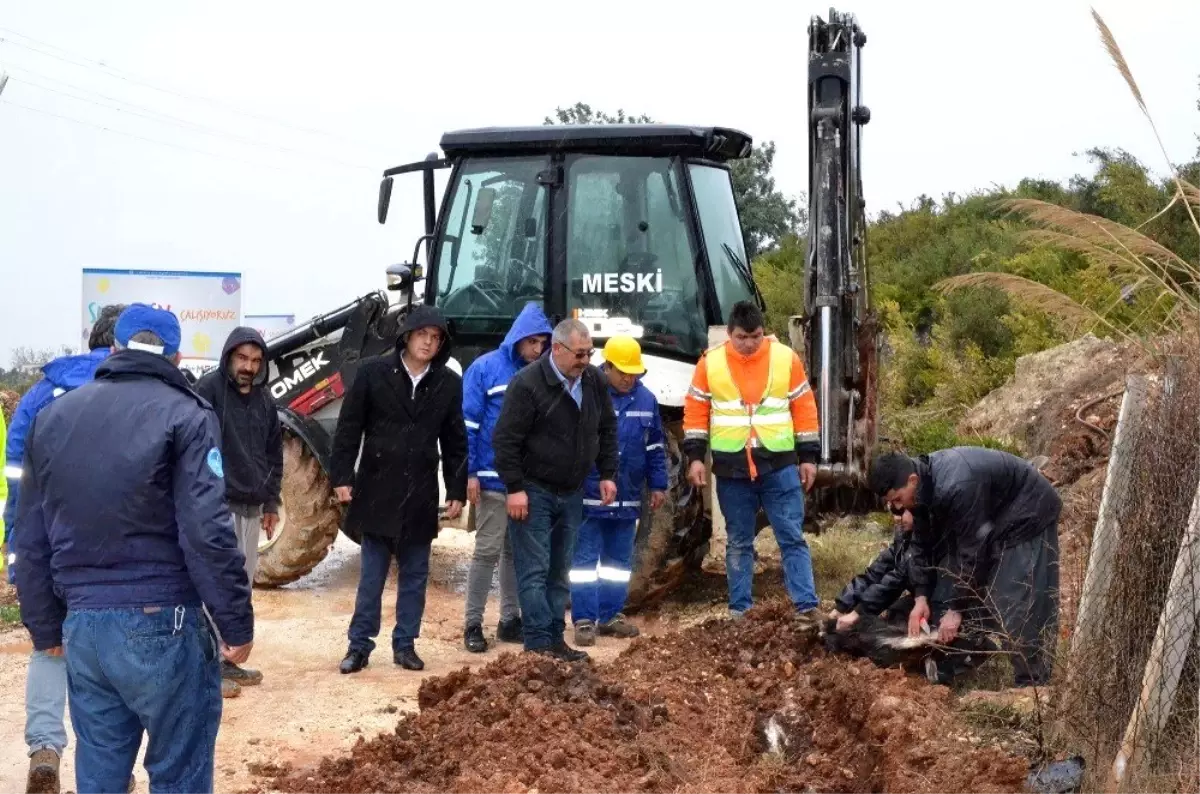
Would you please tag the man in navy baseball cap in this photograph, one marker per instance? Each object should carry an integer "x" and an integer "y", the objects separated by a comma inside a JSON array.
[
  {"x": 143, "y": 554},
  {"x": 150, "y": 329}
]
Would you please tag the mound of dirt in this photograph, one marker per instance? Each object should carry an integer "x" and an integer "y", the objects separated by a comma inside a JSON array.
[
  {"x": 1030, "y": 410},
  {"x": 748, "y": 706}
]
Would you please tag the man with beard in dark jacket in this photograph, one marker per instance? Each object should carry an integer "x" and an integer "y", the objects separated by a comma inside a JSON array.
[
  {"x": 399, "y": 408},
  {"x": 998, "y": 516},
  {"x": 252, "y": 449}
]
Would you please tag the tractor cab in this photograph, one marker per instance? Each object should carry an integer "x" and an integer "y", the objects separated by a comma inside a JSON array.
[{"x": 631, "y": 228}]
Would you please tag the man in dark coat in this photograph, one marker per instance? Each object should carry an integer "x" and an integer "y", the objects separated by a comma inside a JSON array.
[
  {"x": 557, "y": 420},
  {"x": 998, "y": 516},
  {"x": 252, "y": 450},
  {"x": 399, "y": 408},
  {"x": 125, "y": 536}
]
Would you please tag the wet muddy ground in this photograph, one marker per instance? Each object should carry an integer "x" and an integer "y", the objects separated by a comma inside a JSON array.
[{"x": 304, "y": 708}]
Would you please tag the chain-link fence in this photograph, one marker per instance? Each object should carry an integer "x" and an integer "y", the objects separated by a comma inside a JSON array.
[{"x": 1129, "y": 671}]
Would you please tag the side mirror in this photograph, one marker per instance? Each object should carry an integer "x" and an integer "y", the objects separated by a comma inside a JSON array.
[
  {"x": 483, "y": 210},
  {"x": 400, "y": 277},
  {"x": 385, "y": 198}
]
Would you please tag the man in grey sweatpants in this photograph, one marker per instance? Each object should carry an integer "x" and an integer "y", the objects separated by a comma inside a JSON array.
[
  {"x": 252, "y": 457},
  {"x": 484, "y": 384}
]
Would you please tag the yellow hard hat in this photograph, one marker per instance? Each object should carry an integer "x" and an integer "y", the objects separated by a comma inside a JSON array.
[{"x": 624, "y": 353}]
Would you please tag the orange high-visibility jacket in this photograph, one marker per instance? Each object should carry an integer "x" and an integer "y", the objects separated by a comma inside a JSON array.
[{"x": 749, "y": 374}]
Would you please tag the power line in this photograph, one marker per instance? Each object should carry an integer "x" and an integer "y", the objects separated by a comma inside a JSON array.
[
  {"x": 10, "y": 103},
  {"x": 89, "y": 63},
  {"x": 178, "y": 122}
]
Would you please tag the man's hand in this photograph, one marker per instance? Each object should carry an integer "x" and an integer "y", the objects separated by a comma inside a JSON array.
[
  {"x": 55, "y": 651},
  {"x": 920, "y": 611},
  {"x": 237, "y": 654},
  {"x": 453, "y": 509},
  {"x": 847, "y": 621},
  {"x": 657, "y": 500},
  {"x": 608, "y": 492},
  {"x": 948, "y": 626},
  {"x": 518, "y": 506},
  {"x": 343, "y": 493},
  {"x": 808, "y": 475},
  {"x": 269, "y": 522},
  {"x": 697, "y": 473},
  {"x": 473, "y": 490}
]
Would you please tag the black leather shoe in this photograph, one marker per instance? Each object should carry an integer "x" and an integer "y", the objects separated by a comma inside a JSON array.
[
  {"x": 408, "y": 659},
  {"x": 511, "y": 630},
  {"x": 353, "y": 662},
  {"x": 563, "y": 652},
  {"x": 473, "y": 639}
]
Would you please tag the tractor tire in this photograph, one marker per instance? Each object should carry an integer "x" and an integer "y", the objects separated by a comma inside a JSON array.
[
  {"x": 309, "y": 518},
  {"x": 670, "y": 543}
]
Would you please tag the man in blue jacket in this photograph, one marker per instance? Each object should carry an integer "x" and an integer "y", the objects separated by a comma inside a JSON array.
[
  {"x": 123, "y": 537},
  {"x": 484, "y": 383},
  {"x": 602, "y": 566},
  {"x": 46, "y": 679}
]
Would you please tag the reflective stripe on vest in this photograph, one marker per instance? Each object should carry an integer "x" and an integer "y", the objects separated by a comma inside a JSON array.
[{"x": 731, "y": 420}]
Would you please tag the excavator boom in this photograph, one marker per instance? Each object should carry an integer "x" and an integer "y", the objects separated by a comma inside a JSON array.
[{"x": 837, "y": 331}]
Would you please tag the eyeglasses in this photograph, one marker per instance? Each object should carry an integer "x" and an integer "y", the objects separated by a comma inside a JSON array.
[{"x": 581, "y": 355}]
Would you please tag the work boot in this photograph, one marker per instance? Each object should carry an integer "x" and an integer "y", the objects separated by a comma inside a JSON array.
[
  {"x": 43, "y": 772},
  {"x": 473, "y": 639},
  {"x": 511, "y": 630},
  {"x": 585, "y": 633},
  {"x": 408, "y": 659},
  {"x": 352, "y": 662},
  {"x": 230, "y": 688},
  {"x": 617, "y": 627},
  {"x": 240, "y": 675},
  {"x": 563, "y": 652}
]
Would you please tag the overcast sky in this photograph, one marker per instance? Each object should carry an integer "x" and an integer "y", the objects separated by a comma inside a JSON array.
[{"x": 963, "y": 95}]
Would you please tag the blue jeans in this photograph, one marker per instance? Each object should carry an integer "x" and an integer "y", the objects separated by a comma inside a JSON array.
[
  {"x": 130, "y": 670},
  {"x": 542, "y": 547},
  {"x": 782, "y": 498},
  {"x": 45, "y": 702},
  {"x": 601, "y": 570},
  {"x": 413, "y": 562}
]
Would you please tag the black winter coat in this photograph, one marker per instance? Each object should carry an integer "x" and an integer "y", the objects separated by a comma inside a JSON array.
[
  {"x": 978, "y": 502},
  {"x": 542, "y": 436},
  {"x": 884, "y": 581},
  {"x": 395, "y": 490}
]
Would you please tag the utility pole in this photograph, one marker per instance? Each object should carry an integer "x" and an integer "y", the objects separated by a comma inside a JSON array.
[{"x": 3, "y": 81}]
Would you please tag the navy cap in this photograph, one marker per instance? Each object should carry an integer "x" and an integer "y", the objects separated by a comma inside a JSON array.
[{"x": 141, "y": 317}]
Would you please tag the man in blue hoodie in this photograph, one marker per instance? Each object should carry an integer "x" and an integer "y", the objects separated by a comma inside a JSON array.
[
  {"x": 124, "y": 538},
  {"x": 484, "y": 383},
  {"x": 603, "y": 561},
  {"x": 46, "y": 680}
]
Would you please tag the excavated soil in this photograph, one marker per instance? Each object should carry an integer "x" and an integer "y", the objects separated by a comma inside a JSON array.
[{"x": 747, "y": 706}]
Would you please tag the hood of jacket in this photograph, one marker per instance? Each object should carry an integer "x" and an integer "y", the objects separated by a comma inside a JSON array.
[
  {"x": 423, "y": 317},
  {"x": 240, "y": 336},
  {"x": 71, "y": 372},
  {"x": 530, "y": 322}
]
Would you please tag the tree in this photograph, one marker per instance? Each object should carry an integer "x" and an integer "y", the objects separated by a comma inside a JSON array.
[{"x": 767, "y": 214}]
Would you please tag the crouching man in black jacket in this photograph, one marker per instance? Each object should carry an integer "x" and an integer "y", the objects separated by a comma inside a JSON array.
[
  {"x": 557, "y": 421},
  {"x": 999, "y": 517},
  {"x": 891, "y": 583}
]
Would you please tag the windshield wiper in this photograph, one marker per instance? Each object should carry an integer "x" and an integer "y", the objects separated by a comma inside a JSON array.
[{"x": 744, "y": 271}]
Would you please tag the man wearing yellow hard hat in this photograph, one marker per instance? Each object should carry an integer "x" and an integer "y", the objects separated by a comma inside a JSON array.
[{"x": 602, "y": 566}]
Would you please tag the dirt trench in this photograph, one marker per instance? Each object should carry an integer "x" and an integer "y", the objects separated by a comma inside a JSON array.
[{"x": 753, "y": 706}]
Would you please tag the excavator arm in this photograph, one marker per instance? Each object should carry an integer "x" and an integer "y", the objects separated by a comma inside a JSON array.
[{"x": 838, "y": 331}]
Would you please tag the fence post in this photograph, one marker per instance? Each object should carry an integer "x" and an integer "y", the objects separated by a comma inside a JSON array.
[
  {"x": 1094, "y": 595},
  {"x": 1172, "y": 642}
]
